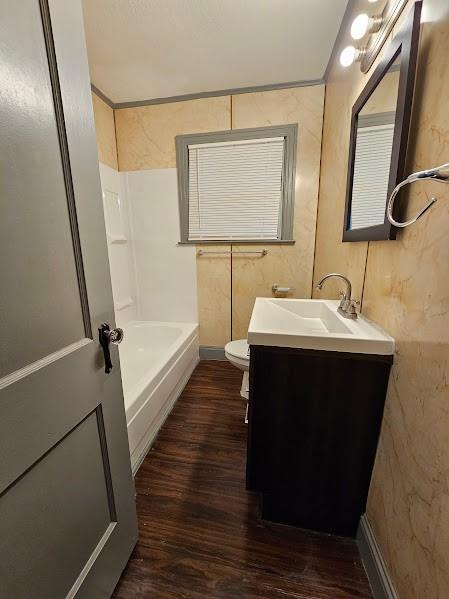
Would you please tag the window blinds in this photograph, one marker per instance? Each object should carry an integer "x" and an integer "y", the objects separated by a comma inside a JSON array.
[
  {"x": 235, "y": 189},
  {"x": 371, "y": 174}
]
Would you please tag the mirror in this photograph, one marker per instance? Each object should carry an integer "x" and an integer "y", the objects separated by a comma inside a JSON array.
[
  {"x": 373, "y": 148},
  {"x": 379, "y": 135}
]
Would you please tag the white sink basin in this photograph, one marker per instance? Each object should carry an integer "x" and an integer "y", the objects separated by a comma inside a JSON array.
[{"x": 314, "y": 324}]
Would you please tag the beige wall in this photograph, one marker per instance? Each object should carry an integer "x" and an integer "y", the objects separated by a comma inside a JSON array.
[
  {"x": 146, "y": 135},
  {"x": 290, "y": 266},
  {"x": 227, "y": 288},
  {"x": 404, "y": 285},
  {"x": 105, "y": 129}
]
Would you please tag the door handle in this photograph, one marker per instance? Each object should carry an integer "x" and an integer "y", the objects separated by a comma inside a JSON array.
[{"x": 107, "y": 336}]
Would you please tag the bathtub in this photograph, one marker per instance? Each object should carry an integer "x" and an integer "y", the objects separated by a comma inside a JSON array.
[{"x": 157, "y": 359}]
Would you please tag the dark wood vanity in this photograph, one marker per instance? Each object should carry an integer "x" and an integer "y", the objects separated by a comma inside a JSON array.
[{"x": 314, "y": 422}]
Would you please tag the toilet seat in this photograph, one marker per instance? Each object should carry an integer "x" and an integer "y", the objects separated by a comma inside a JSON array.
[
  {"x": 237, "y": 352},
  {"x": 238, "y": 348}
]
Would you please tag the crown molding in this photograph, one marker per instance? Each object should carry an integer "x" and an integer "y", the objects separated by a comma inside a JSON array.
[
  {"x": 102, "y": 96},
  {"x": 211, "y": 94}
]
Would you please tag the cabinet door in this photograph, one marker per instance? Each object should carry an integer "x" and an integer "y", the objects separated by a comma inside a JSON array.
[{"x": 314, "y": 424}]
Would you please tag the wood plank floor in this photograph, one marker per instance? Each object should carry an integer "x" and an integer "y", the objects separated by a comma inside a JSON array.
[{"x": 199, "y": 534}]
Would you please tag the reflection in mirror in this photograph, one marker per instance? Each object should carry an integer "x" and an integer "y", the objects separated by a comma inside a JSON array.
[{"x": 373, "y": 148}]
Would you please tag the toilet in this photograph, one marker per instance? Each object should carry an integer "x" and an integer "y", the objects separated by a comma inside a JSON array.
[{"x": 237, "y": 352}]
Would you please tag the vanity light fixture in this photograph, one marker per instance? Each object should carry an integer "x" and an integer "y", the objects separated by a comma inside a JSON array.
[
  {"x": 361, "y": 25},
  {"x": 364, "y": 24},
  {"x": 350, "y": 55}
]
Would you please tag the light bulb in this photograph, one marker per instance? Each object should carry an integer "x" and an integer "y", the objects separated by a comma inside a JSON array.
[
  {"x": 360, "y": 26},
  {"x": 347, "y": 56}
]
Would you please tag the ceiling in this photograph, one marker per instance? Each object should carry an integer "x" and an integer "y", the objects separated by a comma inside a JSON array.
[{"x": 147, "y": 49}]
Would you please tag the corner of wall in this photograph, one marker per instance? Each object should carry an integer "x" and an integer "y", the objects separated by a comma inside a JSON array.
[{"x": 105, "y": 128}]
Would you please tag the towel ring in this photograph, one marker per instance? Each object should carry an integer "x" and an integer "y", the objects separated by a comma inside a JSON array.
[
  {"x": 440, "y": 174},
  {"x": 416, "y": 217}
]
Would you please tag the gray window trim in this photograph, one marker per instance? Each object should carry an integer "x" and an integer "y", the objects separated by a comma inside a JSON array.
[
  {"x": 289, "y": 132},
  {"x": 376, "y": 119}
]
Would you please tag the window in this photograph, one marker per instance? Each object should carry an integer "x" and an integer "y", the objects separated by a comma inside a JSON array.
[{"x": 237, "y": 185}]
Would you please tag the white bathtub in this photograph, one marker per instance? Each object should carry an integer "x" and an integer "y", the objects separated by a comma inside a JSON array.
[{"x": 157, "y": 359}]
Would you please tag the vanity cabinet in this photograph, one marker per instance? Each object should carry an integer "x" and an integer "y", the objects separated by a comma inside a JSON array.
[{"x": 314, "y": 422}]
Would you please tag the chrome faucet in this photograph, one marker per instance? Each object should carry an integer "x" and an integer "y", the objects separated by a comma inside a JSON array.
[{"x": 347, "y": 307}]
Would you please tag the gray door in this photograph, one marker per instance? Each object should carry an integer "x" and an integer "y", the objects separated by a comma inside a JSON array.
[{"x": 67, "y": 511}]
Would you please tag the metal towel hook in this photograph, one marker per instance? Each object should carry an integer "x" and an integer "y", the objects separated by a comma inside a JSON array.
[{"x": 439, "y": 174}]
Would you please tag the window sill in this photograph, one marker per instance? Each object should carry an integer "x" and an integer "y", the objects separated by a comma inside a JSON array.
[{"x": 241, "y": 242}]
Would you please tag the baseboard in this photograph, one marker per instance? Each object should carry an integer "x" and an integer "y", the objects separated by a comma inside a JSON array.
[
  {"x": 376, "y": 569},
  {"x": 212, "y": 353}
]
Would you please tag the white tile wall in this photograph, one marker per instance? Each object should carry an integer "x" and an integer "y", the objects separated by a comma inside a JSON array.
[
  {"x": 152, "y": 277},
  {"x": 165, "y": 272},
  {"x": 119, "y": 246},
  {"x": 113, "y": 209}
]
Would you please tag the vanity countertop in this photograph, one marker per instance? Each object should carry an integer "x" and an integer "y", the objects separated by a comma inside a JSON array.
[{"x": 315, "y": 324}]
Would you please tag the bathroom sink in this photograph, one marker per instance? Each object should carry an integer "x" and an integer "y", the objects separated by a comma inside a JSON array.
[{"x": 314, "y": 324}]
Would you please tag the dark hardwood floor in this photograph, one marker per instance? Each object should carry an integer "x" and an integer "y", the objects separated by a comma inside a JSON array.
[{"x": 199, "y": 533}]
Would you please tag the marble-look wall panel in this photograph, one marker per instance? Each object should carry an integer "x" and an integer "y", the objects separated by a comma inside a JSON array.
[
  {"x": 331, "y": 254},
  {"x": 289, "y": 265},
  {"x": 105, "y": 130},
  {"x": 410, "y": 486},
  {"x": 253, "y": 276},
  {"x": 146, "y": 135},
  {"x": 214, "y": 296},
  {"x": 406, "y": 290}
]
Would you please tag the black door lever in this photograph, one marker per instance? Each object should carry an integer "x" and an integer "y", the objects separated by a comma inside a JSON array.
[{"x": 107, "y": 336}]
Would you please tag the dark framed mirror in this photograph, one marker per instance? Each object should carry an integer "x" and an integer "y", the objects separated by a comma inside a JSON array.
[{"x": 379, "y": 136}]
